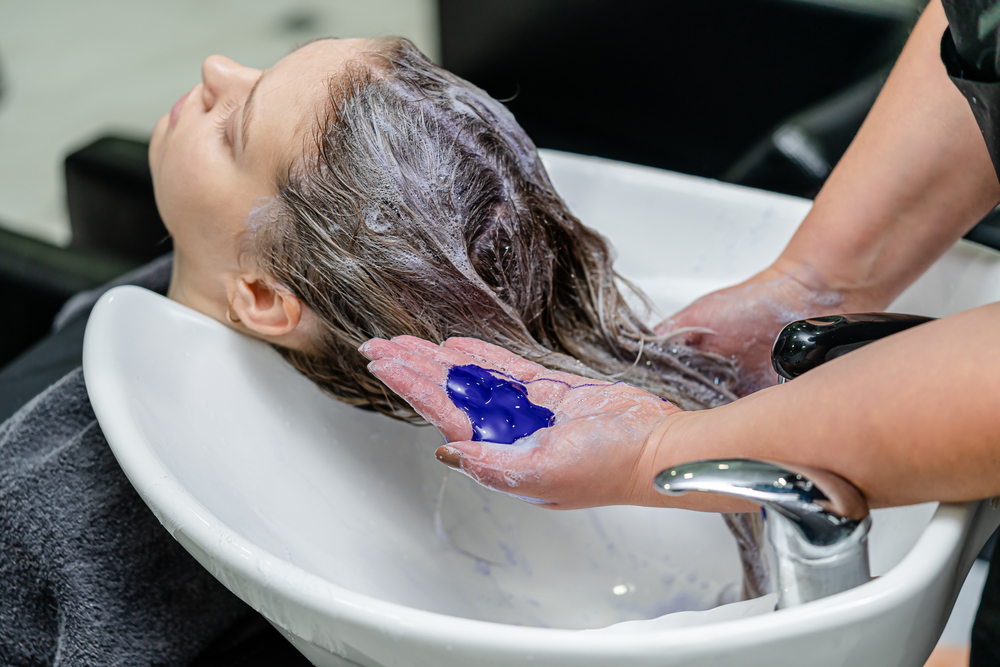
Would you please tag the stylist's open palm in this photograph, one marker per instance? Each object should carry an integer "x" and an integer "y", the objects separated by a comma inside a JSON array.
[{"x": 592, "y": 455}]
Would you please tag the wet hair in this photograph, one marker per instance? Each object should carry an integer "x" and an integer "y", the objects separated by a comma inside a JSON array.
[{"x": 423, "y": 208}]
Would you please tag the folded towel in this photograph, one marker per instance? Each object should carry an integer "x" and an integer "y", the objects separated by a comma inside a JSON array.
[{"x": 87, "y": 574}]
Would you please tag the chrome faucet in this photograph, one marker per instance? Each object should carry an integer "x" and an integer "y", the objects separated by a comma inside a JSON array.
[{"x": 816, "y": 522}]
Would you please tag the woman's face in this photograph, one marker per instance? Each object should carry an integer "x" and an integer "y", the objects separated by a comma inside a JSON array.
[{"x": 220, "y": 150}]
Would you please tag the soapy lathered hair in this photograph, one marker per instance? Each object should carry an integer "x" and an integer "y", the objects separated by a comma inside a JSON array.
[{"x": 425, "y": 210}]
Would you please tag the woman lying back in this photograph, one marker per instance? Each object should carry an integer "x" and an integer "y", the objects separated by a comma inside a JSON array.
[{"x": 355, "y": 190}]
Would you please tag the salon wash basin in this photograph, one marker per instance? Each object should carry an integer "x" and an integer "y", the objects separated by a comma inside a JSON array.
[{"x": 342, "y": 529}]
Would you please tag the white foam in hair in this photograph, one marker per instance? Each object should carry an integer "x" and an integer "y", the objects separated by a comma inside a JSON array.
[
  {"x": 263, "y": 212},
  {"x": 424, "y": 209}
]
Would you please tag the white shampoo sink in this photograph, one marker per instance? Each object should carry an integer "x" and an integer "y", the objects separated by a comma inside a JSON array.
[{"x": 341, "y": 528}]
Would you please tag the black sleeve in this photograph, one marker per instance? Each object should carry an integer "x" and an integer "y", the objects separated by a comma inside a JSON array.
[
  {"x": 969, "y": 52},
  {"x": 973, "y": 26}
]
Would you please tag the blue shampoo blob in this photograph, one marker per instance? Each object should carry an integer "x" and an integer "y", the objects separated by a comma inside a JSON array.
[{"x": 498, "y": 409}]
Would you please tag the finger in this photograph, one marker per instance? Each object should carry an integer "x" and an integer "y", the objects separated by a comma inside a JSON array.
[
  {"x": 508, "y": 468},
  {"x": 428, "y": 368},
  {"x": 425, "y": 396},
  {"x": 414, "y": 342},
  {"x": 498, "y": 357},
  {"x": 545, "y": 387},
  {"x": 442, "y": 355},
  {"x": 419, "y": 354},
  {"x": 470, "y": 351},
  {"x": 548, "y": 393},
  {"x": 370, "y": 346}
]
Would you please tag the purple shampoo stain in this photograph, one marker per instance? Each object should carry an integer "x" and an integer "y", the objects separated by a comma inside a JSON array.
[{"x": 498, "y": 409}]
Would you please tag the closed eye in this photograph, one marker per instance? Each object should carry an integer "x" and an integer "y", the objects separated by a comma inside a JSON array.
[{"x": 224, "y": 121}]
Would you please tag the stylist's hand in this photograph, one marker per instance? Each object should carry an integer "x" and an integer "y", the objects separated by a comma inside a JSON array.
[
  {"x": 593, "y": 455},
  {"x": 746, "y": 318}
]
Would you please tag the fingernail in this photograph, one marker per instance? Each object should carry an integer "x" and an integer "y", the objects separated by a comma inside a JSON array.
[
  {"x": 449, "y": 457},
  {"x": 366, "y": 348}
]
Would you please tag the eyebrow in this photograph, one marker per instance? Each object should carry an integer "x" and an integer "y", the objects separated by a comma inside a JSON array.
[{"x": 248, "y": 112}]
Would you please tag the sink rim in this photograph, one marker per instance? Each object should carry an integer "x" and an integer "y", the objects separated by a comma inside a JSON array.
[{"x": 309, "y": 605}]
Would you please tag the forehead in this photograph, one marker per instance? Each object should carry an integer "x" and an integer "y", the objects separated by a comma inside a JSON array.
[
  {"x": 291, "y": 96},
  {"x": 312, "y": 64}
]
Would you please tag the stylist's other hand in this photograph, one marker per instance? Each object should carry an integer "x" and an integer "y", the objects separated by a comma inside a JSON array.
[
  {"x": 746, "y": 318},
  {"x": 595, "y": 453}
]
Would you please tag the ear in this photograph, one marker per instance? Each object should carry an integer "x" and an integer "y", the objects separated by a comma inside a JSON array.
[{"x": 266, "y": 310}]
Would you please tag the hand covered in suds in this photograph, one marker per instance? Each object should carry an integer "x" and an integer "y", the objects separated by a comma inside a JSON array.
[
  {"x": 746, "y": 318},
  {"x": 595, "y": 453}
]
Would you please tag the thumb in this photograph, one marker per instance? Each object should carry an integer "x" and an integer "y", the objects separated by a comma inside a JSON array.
[{"x": 508, "y": 468}]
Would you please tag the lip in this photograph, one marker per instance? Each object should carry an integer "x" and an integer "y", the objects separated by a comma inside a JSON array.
[{"x": 175, "y": 111}]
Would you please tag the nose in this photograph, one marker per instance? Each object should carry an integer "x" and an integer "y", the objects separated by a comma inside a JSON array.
[{"x": 224, "y": 78}]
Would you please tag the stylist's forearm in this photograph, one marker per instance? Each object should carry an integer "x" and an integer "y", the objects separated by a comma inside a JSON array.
[
  {"x": 911, "y": 418},
  {"x": 915, "y": 179}
]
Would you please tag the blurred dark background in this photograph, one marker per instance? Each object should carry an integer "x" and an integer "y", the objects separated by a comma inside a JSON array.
[{"x": 687, "y": 86}]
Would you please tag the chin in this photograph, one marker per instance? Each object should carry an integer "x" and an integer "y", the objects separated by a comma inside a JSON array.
[{"x": 155, "y": 160}]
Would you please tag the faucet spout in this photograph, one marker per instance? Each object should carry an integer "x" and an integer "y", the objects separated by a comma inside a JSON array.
[{"x": 816, "y": 522}]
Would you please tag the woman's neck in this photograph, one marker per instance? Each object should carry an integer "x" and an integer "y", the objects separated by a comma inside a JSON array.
[{"x": 198, "y": 289}]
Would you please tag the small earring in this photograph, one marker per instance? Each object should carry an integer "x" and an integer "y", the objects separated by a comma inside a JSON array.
[{"x": 229, "y": 313}]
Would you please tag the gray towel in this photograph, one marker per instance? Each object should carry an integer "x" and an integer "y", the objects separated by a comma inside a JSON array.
[
  {"x": 153, "y": 276},
  {"x": 87, "y": 574}
]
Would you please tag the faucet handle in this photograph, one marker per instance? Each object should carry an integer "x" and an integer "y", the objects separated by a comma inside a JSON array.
[
  {"x": 804, "y": 344},
  {"x": 824, "y": 508}
]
